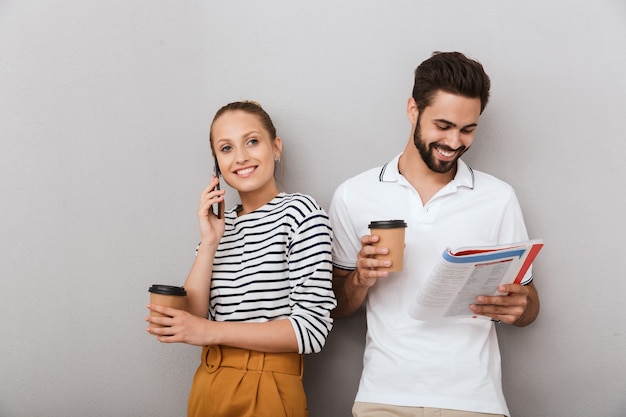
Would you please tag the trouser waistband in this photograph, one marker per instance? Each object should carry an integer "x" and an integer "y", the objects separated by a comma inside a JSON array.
[{"x": 214, "y": 357}]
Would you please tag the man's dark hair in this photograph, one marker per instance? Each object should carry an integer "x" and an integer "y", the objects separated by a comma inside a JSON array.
[{"x": 454, "y": 73}]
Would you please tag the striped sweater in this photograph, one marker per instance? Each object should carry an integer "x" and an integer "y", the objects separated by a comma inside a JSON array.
[{"x": 275, "y": 263}]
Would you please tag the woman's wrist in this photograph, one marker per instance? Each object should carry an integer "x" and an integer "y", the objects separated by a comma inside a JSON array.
[{"x": 206, "y": 245}]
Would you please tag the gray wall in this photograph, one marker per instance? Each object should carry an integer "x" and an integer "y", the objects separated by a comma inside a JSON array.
[{"x": 104, "y": 113}]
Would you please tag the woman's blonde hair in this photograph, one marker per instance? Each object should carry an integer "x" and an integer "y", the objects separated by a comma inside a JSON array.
[{"x": 248, "y": 106}]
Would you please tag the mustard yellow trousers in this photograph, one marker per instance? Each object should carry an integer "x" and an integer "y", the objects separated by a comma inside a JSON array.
[{"x": 233, "y": 382}]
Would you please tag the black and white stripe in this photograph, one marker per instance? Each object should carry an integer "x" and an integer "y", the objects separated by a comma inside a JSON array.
[{"x": 276, "y": 263}]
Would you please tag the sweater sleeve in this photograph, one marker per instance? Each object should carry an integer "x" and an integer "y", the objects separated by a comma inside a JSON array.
[{"x": 310, "y": 277}]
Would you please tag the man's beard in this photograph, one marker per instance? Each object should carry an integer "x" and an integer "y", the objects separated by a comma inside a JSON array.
[{"x": 428, "y": 153}]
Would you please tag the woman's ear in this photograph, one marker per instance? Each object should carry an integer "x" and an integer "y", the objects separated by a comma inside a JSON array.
[{"x": 278, "y": 148}]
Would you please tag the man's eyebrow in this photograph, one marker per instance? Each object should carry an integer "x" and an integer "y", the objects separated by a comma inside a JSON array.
[{"x": 451, "y": 124}]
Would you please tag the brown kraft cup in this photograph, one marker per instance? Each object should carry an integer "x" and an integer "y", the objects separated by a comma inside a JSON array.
[
  {"x": 391, "y": 234},
  {"x": 168, "y": 296}
]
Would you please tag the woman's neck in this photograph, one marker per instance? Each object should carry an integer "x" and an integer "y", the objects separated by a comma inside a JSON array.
[{"x": 251, "y": 201}]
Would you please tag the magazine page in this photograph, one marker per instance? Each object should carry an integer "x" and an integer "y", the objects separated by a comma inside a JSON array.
[{"x": 462, "y": 275}]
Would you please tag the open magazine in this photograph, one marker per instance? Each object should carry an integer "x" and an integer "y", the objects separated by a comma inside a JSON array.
[{"x": 463, "y": 274}]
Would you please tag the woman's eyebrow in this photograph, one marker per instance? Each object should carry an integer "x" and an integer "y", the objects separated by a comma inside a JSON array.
[{"x": 245, "y": 135}]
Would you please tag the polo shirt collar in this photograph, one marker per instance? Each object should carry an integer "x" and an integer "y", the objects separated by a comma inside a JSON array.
[
  {"x": 389, "y": 172},
  {"x": 464, "y": 174}
]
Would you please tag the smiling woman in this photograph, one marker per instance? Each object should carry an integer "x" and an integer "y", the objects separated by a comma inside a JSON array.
[
  {"x": 243, "y": 139},
  {"x": 262, "y": 276}
]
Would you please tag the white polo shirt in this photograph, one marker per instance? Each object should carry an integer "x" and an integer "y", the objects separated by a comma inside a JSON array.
[{"x": 452, "y": 364}]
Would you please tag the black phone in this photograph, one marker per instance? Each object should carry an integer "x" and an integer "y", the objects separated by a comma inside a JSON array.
[{"x": 216, "y": 171}]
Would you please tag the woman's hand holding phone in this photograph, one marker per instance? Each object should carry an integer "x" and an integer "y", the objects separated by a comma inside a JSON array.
[
  {"x": 211, "y": 225},
  {"x": 220, "y": 205}
]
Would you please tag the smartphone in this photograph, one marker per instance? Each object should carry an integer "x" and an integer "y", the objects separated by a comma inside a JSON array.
[{"x": 216, "y": 171}]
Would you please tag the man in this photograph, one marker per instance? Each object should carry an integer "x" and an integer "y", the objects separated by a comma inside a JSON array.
[{"x": 411, "y": 367}]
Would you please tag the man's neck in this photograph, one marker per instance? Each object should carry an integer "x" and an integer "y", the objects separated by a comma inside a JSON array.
[{"x": 425, "y": 181}]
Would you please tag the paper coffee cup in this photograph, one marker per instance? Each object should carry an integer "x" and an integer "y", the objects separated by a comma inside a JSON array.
[
  {"x": 391, "y": 234},
  {"x": 168, "y": 296}
]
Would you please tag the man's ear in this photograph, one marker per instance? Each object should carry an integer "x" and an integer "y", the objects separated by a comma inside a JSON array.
[{"x": 412, "y": 112}]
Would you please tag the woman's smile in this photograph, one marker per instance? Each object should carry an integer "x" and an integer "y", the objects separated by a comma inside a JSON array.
[{"x": 244, "y": 172}]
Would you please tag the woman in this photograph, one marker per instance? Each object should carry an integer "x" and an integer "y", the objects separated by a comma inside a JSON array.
[{"x": 263, "y": 273}]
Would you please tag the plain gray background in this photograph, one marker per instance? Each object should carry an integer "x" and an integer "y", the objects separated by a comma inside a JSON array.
[{"x": 104, "y": 113}]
